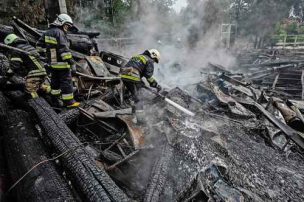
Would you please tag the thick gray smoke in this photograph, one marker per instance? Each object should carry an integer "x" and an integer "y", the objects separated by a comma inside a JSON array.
[
  {"x": 187, "y": 45},
  {"x": 188, "y": 40}
]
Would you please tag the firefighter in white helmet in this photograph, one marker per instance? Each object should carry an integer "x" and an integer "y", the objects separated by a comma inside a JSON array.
[
  {"x": 138, "y": 67},
  {"x": 60, "y": 59}
]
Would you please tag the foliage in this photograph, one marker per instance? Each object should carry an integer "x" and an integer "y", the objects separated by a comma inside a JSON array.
[
  {"x": 292, "y": 28},
  {"x": 124, "y": 13},
  {"x": 301, "y": 29},
  {"x": 33, "y": 7},
  {"x": 280, "y": 30},
  {"x": 31, "y": 12},
  {"x": 122, "y": 10},
  {"x": 289, "y": 28},
  {"x": 163, "y": 6}
]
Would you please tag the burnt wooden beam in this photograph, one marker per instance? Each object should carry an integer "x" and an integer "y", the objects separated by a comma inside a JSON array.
[
  {"x": 275, "y": 81},
  {"x": 122, "y": 161},
  {"x": 291, "y": 133},
  {"x": 113, "y": 114},
  {"x": 94, "y": 183}
]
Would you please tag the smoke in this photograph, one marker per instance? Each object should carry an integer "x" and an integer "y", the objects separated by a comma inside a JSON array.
[{"x": 187, "y": 41}]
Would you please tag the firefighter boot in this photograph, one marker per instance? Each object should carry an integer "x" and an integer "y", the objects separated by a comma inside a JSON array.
[{"x": 72, "y": 104}]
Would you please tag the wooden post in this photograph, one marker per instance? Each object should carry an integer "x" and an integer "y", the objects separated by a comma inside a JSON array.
[
  {"x": 54, "y": 8},
  {"x": 295, "y": 40},
  {"x": 229, "y": 36},
  {"x": 285, "y": 39},
  {"x": 62, "y": 6}
]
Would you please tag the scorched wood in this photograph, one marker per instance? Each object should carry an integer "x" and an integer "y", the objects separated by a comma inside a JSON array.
[{"x": 93, "y": 182}]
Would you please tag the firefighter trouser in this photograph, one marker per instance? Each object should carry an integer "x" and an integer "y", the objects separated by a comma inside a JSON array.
[
  {"x": 134, "y": 88},
  {"x": 62, "y": 84}
]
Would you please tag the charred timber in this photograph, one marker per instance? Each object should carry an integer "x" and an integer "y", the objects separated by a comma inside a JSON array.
[
  {"x": 37, "y": 33},
  {"x": 24, "y": 150},
  {"x": 159, "y": 175},
  {"x": 210, "y": 185},
  {"x": 69, "y": 117},
  {"x": 92, "y": 181},
  {"x": 3, "y": 173},
  {"x": 27, "y": 28},
  {"x": 273, "y": 64},
  {"x": 78, "y": 42},
  {"x": 114, "y": 113},
  {"x": 291, "y": 133}
]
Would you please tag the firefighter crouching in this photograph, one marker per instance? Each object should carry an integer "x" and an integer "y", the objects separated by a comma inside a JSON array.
[
  {"x": 138, "y": 67},
  {"x": 60, "y": 59},
  {"x": 26, "y": 66}
]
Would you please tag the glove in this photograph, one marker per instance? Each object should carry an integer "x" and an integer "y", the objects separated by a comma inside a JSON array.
[
  {"x": 154, "y": 84},
  {"x": 158, "y": 87},
  {"x": 73, "y": 69}
]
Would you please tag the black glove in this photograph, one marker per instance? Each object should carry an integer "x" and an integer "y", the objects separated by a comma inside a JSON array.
[
  {"x": 158, "y": 87},
  {"x": 154, "y": 84},
  {"x": 73, "y": 69}
]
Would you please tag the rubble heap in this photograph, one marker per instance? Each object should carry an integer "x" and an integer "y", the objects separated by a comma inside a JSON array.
[{"x": 241, "y": 138}]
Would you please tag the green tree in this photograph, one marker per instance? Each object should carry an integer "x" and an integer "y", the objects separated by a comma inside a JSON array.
[
  {"x": 259, "y": 17},
  {"x": 163, "y": 6},
  {"x": 292, "y": 28},
  {"x": 122, "y": 12},
  {"x": 279, "y": 29}
]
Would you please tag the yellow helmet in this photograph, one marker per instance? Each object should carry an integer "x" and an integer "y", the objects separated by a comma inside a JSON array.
[{"x": 9, "y": 39}]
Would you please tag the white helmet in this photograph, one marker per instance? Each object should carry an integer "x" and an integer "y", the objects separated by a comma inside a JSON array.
[
  {"x": 63, "y": 19},
  {"x": 154, "y": 54}
]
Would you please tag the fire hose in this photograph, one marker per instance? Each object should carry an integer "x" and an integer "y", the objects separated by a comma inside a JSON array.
[{"x": 171, "y": 102}]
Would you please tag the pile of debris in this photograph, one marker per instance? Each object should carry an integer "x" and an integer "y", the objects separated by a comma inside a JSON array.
[{"x": 237, "y": 135}]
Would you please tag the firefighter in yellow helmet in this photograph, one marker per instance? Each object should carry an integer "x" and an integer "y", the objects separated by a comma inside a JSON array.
[
  {"x": 60, "y": 59},
  {"x": 140, "y": 66},
  {"x": 29, "y": 66}
]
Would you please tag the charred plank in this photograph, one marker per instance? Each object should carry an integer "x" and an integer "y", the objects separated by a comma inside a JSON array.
[
  {"x": 93, "y": 182},
  {"x": 23, "y": 151},
  {"x": 158, "y": 175}
]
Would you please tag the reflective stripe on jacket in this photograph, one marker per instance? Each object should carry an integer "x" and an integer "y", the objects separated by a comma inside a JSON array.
[
  {"x": 144, "y": 65},
  {"x": 57, "y": 47},
  {"x": 22, "y": 64},
  {"x": 130, "y": 74}
]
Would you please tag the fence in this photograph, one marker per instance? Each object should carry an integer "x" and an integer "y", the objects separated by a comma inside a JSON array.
[{"x": 288, "y": 40}]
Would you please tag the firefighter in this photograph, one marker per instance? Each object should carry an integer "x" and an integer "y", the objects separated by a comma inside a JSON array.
[
  {"x": 25, "y": 66},
  {"x": 60, "y": 59},
  {"x": 138, "y": 67}
]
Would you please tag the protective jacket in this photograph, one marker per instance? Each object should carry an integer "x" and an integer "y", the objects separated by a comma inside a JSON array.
[
  {"x": 26, "y": 65},
  {"x": 60, "y": 60},
  {"x": 57, "y": 48},
  {"x": 139, "y": 66}
]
